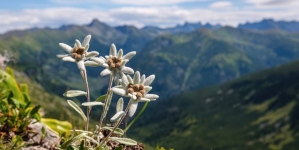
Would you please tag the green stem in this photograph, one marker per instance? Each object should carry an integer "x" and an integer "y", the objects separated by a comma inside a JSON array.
[
  {"x": 118, "y": 123},
  {"x": 139, "y": 114},
  {"x": 107, "y": 96}
]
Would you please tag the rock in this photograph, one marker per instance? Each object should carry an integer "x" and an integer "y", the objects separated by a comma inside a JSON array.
[{"x": 39, "y": 141}]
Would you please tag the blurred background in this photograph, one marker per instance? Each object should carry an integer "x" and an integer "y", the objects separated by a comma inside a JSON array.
[{"x": 227, "y": 72}]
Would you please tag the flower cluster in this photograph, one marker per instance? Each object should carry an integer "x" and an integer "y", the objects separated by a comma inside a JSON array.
[
  {"x": 78, "y": 53},
  {"x": 137, "y": 88}
]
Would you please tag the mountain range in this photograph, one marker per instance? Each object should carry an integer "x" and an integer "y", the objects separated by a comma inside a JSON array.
[
  {"x": 258, "y": 111},
  {"x": 184, "y": 58},
  {"x": 270, "y": 24}
]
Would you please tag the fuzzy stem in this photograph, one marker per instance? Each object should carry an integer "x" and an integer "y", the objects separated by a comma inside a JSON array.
[
  {"x": 107, "y": 95},
  {"x": 84, "y": 75},
  {"x": 119, "y": 122}
]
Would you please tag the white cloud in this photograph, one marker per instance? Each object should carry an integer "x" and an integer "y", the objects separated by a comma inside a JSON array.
[
  {"x": 221, "y": 4},
  {"x": 153, "y": 2},
  {"x": 273, "y": 3},
  {"x": 129, "y": 2},
  {"x": 138, "y": 16}
]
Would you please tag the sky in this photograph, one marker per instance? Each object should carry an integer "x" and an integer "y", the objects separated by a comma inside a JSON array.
[{"x": 21, "y": 14}]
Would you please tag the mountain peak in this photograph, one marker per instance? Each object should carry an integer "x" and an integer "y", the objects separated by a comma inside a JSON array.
[
  {"x": 270, "y": 24},
  {"x": 95, "y": 22}
]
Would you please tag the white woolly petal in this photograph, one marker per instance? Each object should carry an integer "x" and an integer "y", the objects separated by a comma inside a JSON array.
[
  {"x": 136, "y": 78},
  {"x": 115, "y": 79},
  {"x": 92, "y": 54},
  {"x": 134, "y": 97},
  {"x": 86, "y": 40},
  {"x": 144, "y": 100},
  {"x": 81, "y": 65},
  {"x": 129, "y": 55},
  {"x": 86, "y": 47},
  {"x": 112, "y": 50},
  {"x": 62, "y": 55},
  {"x": 133, "y": 108},
  {"x": 101, "y": 57},
  {"x": 123, "y": 63},
  {"x": 98, "y": 60},
  {"x": 127, "y": 70},
  {"x": 107, "y": 57},
  {"x": 66, "y": 47},
  {"x": 147, "y": 88},
  {"x": 105, "y": 65},
  {"x": 119, "y": 91},
  {"x": 124, "y": 79},
  {"x": 149, "y": 80},
  {"x": 91, "y": 63},
  {"x": 69, "y": 58},
  {"x": 123, "y": 83},
  {"x": 120, "y": 53},
  {"x": 78, "y": 43},
  {"x": 105, "y": 72},
  {"x": 129, "y": 79},
  {"x": 118, "y": 86},
  {"x": 142, "y": 79},
  {"x": 151, "y": 96}
]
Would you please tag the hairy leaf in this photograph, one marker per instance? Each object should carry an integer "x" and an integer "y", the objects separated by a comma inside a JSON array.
[
  {"x": 74, "y": 93},
  {"x": 92, "y": 103},
  {"x": 77, "y": 108},
  {"x": 125, "y": 141}
]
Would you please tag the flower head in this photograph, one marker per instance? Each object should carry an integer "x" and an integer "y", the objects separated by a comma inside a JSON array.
[
  {"x": 136, "y": 88},
  {"x": 115, "y": 63},
  {"x": 78, "y": 53}
]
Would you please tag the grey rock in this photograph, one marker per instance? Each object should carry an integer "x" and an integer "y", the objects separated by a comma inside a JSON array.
[{"x": 50, "y": 139}]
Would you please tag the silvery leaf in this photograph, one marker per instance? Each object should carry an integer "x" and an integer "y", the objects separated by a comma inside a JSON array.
[
  {"x": 117, "y": 116},
  {"x": 92, "y": 103},
  {"x": 77, "y": 109},
  {"x": 116, "y": 131},
  {"x": 74, "y": 93},
  {"x": 125, "y": 141}
]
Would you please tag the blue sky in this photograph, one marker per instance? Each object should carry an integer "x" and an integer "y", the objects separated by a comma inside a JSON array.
[{"x": 21, "y": 14}]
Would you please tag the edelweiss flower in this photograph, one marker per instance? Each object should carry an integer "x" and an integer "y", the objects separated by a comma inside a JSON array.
[
  {"x": 79, "y": 53},
  {"x": 136, "y": 88},
  {"x": 115, "y": 63}
]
